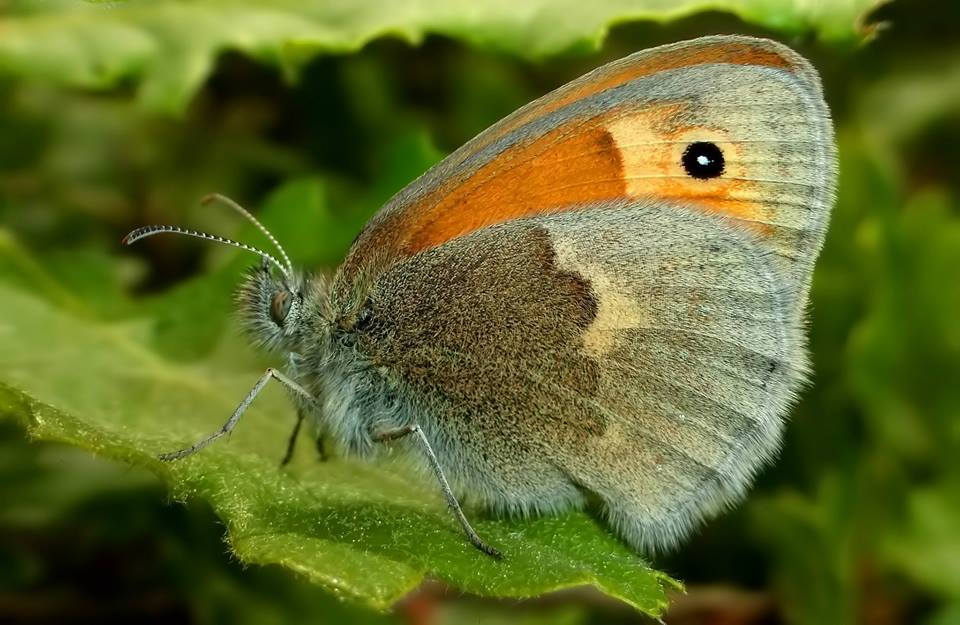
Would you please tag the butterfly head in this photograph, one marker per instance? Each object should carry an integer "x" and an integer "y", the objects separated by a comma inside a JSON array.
[
  {"x": 272, "y": 307},
  {"x": 273, "y": 298}
]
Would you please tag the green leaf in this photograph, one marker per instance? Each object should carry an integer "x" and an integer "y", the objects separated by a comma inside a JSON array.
[
  {"x": 362, "y": 532},
  {"x": 66, "y": 510},
  {"x": 811, "y": 538},
  {"x": 925, "y": 547},
  {"x": 170, "y": 46}
]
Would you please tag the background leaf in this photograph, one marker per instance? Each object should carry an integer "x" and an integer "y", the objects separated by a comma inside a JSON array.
[{"x": 171, "y": 45}]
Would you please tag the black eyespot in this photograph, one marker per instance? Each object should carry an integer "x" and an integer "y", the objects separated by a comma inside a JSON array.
[
  {"x": 703, "y": 160},
  {"x": 280, "y": 307}
]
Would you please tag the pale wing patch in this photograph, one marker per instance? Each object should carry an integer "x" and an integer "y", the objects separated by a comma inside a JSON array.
[
  {"x": 644, "y": 151},
  {"x": 651, "y": 147},
  {"x": 615, "y": 311}
]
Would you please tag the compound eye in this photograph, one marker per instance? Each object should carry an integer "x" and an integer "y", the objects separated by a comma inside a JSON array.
[
  {"x": 703, "y": 160},
  {"x": 280, "y": 306}
]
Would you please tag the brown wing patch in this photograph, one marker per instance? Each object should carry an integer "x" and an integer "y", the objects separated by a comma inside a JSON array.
[{"x": 491, "y": 327}]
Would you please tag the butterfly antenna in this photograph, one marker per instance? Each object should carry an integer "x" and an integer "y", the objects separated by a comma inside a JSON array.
[
  {"x": 222, "y": 199},
  {"x": 149, "y": 231}
]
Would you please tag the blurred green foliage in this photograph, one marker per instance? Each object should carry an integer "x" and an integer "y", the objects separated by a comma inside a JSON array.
[
  {"x": 169, "y": 47},
  {"x": 858, "y": 522}
]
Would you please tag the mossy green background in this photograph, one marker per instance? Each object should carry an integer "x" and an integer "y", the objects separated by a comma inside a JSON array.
[{"x": 312, "y": 114}]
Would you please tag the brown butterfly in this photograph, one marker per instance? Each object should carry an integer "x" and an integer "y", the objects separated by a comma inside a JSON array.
[{"x": 599, "y": 298}]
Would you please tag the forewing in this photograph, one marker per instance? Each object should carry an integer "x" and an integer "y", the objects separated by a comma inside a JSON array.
[{"x": 619, "y": 133}]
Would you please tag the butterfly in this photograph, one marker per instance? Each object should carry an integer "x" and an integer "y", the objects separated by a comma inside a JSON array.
[{"x": 600, "y": 299}]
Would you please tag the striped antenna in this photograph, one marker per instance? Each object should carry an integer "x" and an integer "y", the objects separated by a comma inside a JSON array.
[
  {"x": 222, "y": 199},
  {"x": 149, "y": 231}
]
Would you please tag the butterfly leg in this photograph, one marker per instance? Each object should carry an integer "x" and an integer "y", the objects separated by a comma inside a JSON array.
[
  {"x": 452, "y": 503},
  {"x": 292, "y": 443},
  {"x": 226, "y": 428}
]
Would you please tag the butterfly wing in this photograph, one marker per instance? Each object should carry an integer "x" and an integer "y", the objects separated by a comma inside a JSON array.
[
  {"x": 620, "y": 132},
  {"x": 638, "y": 351},
  {"x": 566, "y": 310}
]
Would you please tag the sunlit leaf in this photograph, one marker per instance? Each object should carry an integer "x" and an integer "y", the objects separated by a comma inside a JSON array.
[{"x": 170, "y": 46}]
